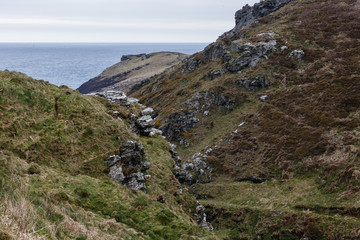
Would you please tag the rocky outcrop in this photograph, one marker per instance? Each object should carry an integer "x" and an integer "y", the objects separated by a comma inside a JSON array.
[
  {"x": 215, "y": 74},
  {"x": 248, "y": 15},
  {"x": 299, "y": 54},
  {"x": 193, "y": 171},
  {"x": 253, "y": 83},
  {"x": 214, "y": 51},
  {"x": 190, "y": 173},
  {"x": 178, "y": 125},
  {"x": 191, "y": 65},
  {"x": 131, "y": 56},
  {"x": 200, "y": 217},
  {"x": 143, "y": 124},
  {"x": 202, "y": 101},
  {"x": 117, "y": 97},
  {"x": 129, "y": 167},
  {"x": 250, "y": 54}
]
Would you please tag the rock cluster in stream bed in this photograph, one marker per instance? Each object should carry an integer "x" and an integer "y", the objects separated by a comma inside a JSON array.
[
  {"x": 143, "y": 124},
  {"x": 129, "y": 167},
  {"x": 196, "y": 170},
  {"x": 200, "y": 217},
  {"x": 191, "y": 172}
]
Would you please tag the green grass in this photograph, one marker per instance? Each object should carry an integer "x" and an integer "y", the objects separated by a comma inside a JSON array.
[
  {"x": 53, "y": 178},
  {"x": 252, "y": 205}
]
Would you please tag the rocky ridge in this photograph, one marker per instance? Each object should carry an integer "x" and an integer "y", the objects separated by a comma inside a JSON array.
[
  {"x": 249, "y": 15},
  {"x": 129, "y": 167}
]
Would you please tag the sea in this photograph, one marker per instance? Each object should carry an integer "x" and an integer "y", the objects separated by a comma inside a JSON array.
[{"x": 72, "y": 64}]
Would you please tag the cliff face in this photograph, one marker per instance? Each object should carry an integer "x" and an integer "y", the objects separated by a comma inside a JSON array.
[
  {"x": 248, "y": 15},
  {"x": 132, "y": 71},
  {"x": 274, "y": 101}
]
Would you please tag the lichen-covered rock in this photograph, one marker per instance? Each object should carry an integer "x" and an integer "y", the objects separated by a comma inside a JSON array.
[
  {"x": 250, "y": 54},
  {"x": 193, "y": 171},
  {"x": 215, "y": 74},
  {"x": 237, "y": 47},
  {"x": 129, "y": 167},
  {"x": 248, "y": 15},
  {"x": 214, "y": 51},
  {"x": 118, "y": 97},
  {"x": 147, "y": 111},
  {"x": 116, "y": 173},
  {"x": 191, "y": 65},
  {"x": 299, "y": 54},
  {"x": 144, "y": 125},
  {"x": 177, "y": 124},
  {"x": 201, "y": 101},
  {"x": 253, "y": 83},
  {"x": 200, "y": 217}
]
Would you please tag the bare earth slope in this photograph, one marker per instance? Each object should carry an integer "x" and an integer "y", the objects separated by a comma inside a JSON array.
[{"x": 132, "y": 70}]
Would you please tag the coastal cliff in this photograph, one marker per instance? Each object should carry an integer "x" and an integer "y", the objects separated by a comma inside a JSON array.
[
  {"x": 132, "y": 71},
  {"x": 255, "y": 137}
]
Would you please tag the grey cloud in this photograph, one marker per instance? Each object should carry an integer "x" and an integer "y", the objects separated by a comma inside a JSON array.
[{"x": 181, "y": 21}]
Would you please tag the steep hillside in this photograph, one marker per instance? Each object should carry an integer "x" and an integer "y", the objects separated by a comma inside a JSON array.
[
  {"x": 132, "y": 71},
  {"x": 273, "y": 108},
  {"x": 54, "y": 182}
]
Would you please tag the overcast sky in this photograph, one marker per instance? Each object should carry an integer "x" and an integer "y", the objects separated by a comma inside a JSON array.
[{"x": 116, "y": 20}]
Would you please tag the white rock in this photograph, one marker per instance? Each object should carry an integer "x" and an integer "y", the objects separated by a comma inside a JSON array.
[
  {"x": 297, "y": 54},
  {"x": 132, "y": 100},
  {"x": 271, "y": 33},
  {"x": 154, "y": 132},
  {"x": 263, "y": 98},
  {"x": 147, "y": 111},
  {"x": 283, "y": 48}
]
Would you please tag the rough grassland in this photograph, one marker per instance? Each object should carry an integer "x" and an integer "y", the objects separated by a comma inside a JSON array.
[
  {"x": 53, "y": 178},
  {"x": 303, "y": 140}
]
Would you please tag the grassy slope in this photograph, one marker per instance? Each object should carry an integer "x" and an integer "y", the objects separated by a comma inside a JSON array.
[
  {"x": 304, "y": 137},
  {"x": 53, "y": 179},
  {"x": 138, "y": 68}
]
